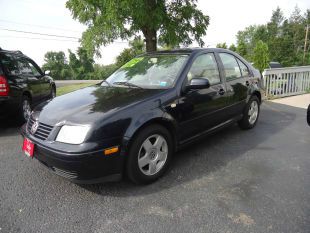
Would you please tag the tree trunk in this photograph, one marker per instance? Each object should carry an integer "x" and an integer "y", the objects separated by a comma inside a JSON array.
[{"x": 150, "y": 40}]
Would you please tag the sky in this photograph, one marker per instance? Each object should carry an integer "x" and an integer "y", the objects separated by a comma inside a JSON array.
[{"x": 53, "y": 18}]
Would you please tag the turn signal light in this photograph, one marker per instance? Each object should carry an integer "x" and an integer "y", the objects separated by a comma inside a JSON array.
[{"x": 111, "y": 150}]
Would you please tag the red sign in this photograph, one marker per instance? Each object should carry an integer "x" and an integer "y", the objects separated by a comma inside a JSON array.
[{"x": 28, "y": 147}]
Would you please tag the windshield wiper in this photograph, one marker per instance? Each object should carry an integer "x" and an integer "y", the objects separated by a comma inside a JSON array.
[{"x": 128, "y": 84}]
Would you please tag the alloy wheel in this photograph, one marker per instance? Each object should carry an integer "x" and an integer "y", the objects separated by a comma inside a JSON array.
[
  {"x": 253, "y": 112},
  {"x": 153, "y": 154},
  {"x": 26, "y": 109}
]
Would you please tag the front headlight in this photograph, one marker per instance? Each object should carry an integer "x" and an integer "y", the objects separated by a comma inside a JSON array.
[{"x": 72, "y": 134}]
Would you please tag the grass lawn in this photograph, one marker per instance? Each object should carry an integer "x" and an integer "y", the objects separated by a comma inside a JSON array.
[{"x": 66, "y": 89}]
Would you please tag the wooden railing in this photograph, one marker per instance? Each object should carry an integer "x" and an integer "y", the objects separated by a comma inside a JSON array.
[{"x": 288, "y": 81}]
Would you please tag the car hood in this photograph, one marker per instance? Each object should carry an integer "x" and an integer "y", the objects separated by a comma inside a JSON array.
[{"x": 89, "y": 104}]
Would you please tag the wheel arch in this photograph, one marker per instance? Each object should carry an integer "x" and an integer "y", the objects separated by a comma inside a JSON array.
[
  {"x": 258, "y": 95},
  {"x": 166, "y": 123},
  {"x": 28, "y": 94}
]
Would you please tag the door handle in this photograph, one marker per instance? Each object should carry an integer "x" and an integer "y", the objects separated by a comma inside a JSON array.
[{"x": 221, "y": 91}]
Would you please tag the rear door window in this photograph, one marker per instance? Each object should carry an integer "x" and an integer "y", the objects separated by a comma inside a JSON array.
[
  {"x": 231, "y": 67},
  {"x": 24, "y": 67},
  {"x": 34, "y": 69}
]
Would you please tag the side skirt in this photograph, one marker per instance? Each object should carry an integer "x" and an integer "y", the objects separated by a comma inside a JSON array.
[{"x": 214, "y": 129}]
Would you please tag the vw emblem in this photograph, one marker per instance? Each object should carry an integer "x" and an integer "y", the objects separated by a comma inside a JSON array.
[{"x": 34, "y": 127}]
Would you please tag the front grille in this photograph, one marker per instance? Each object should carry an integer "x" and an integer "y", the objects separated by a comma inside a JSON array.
[
  {"x": 65, "y": 173},
  {"x": 43, "y": 130}
]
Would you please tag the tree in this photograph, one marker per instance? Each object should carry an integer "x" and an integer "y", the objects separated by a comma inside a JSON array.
[
  {"x": 242, "y": 49},
  {"x": 81, "y": 64},
  {"x": 284, "y": 37},
  {"x": 174, "y": 21},
  {"x": 275, "y": 23},
  {"x": 261, "y": 56},
  {"x": 221, "y": 45},
  {"x": 136, "y": 48},
  {"x": 233, "y": 48},
  {"x": 57, "y": 63},
  {"x": 102, "y": 72}
]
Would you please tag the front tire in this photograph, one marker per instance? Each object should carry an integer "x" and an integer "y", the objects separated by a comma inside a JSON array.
[
  {"x": 250, "y": 114},
  {"x": 149, "y": 154}
]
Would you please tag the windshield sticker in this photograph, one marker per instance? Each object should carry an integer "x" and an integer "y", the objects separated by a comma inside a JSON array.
[
  {"x": 163, "y": 84},
  {"x": 132, "y": 62}
]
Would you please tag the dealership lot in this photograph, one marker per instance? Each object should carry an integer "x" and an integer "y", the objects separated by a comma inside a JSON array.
[{"x": 233, "y": 181}]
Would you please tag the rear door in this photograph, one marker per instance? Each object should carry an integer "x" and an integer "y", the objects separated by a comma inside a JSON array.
[
  {"x": 202, "y": 109},
  {"x": 33, "y": 81},
  {"x": 237, "y": 81}
]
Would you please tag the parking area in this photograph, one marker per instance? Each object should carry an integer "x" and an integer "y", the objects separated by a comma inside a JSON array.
[{"x": 232, "y": 181}]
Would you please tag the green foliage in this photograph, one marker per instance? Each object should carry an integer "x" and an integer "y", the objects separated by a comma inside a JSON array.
[
  {"x": 221, "y": 45},
  {"x": 174, "y": 22},
  {"x": 233, "y": 48},
  {"x": 242, "y": 49},
  {"x": 103, "y": 72},
  {"x": 284, "y": 38},
  {"x": 261, "y": 56},
  {"x": 81, "y": 64},
  {"x": 56, "y": 62},
  {"x": 136, "y": 48}
]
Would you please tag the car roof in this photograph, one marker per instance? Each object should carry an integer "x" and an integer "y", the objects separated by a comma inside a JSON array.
[
  {"x": 274, "y": 64},
  {"x": 15, "y": 53},
  {"x": 189, "y": 51},
  {"x": 10, "y": 51}
]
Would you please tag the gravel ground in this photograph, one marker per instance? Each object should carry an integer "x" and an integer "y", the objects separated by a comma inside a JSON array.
[{"x": 232, "y": 181}]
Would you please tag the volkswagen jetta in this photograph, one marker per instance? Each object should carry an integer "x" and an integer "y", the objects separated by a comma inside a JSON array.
[{"x": 133, "y": 122}]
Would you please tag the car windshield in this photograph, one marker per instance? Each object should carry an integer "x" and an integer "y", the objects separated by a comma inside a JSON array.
[{"x": 150, "y": 72}]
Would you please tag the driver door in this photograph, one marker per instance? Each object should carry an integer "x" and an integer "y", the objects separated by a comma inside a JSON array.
[
  {"x": 200, "y": 110},
  {"x": 45, "y": 86}
]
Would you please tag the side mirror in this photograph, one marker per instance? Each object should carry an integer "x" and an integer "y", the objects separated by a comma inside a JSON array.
[
  {"x": 47, "y": 72},
  {"x": 198, "y": 83}
]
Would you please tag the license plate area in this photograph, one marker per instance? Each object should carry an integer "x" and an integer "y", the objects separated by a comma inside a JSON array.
[{"x": 28, "y": 147}]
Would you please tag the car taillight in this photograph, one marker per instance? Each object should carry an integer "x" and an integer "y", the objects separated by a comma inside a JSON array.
[{"x": 4, "y": 86}]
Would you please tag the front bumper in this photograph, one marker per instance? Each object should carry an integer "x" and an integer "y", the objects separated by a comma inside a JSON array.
[{"x": 84, "y": 168}]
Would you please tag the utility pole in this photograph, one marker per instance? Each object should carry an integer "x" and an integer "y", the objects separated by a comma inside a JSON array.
[{"x": 305, "y": 47}]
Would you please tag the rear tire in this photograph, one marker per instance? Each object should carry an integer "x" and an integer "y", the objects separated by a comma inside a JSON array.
[
  {"x": 149, "y": 154},
  {"x": 250, "y": 114},
  {"x": 25, "y": 109},
  {"x": 53, "y": 93}
]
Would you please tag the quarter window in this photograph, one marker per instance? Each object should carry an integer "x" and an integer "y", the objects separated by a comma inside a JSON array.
[
  {"x": 244, "y": 69},
  {"x": 231, "y": 67},
  {"x": 10, "y": 64},
  {"x": 205, "y": 66}
]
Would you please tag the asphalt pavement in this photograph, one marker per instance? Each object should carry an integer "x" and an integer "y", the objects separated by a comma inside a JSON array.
[{"x": 232, "y": 181}]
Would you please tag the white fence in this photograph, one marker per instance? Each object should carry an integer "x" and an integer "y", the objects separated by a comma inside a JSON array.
[{"x": 282, "y": 82}]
